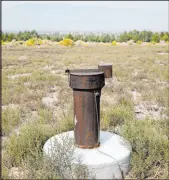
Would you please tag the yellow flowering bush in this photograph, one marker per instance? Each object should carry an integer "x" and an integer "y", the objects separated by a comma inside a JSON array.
[
  {"x": 33, "y": 41},
  {"x": 66, "y": 42},
  {"x": 30, "y": 42},
  {"x": 139, "y": 42},
  {"x": 114, "y": 43},
  {"x": 4, "y": 42}
]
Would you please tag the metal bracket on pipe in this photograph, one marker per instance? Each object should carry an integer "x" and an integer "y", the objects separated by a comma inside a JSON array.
[{"x": 68, "y": 71}]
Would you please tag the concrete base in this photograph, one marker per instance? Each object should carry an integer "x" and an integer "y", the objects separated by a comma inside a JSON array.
[{"x": 109, "y": 161}]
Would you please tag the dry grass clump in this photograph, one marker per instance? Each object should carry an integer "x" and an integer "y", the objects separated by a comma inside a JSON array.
[
  {"x": 150, "y": 145},
  {"x": 115, "y": 116},
  {"x": 25, "y": 151},
  {"x": 11, "y": 117},
  {"x": 149, "y": 140}
]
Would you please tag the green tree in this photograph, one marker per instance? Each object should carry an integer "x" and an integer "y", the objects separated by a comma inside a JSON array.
[
  {"x": 135, "y": 35},
  {"x": 165, "y": 37},
  {"x": 155, "y": 38},
  {"x": 33, "y": 34},
  {"x": 56, "y": 38},
  {"x": 124, "y": 37},
  {"x": 70, "y": 36},
  {"x": 112, "y": 37},
  {"x": 107, "y": 38},
  {"x": 77, "y": 37},
  {"x": 162, "y": 34},
  {"x": 48, "y": 37}
]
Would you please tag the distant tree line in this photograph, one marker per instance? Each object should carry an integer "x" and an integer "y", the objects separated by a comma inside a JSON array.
[{"x": 144, "y": 36}]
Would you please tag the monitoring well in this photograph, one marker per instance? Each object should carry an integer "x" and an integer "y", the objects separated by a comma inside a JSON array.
[{"x": 106, "y": 154}]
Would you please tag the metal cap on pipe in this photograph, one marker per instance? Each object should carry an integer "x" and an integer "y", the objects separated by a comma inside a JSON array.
[
  {"x": 87, "y": 79},
  {"x": 107, "y": 69}
]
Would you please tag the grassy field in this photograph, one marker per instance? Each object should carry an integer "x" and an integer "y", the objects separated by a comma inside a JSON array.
[{"x": 37, "y": 103}]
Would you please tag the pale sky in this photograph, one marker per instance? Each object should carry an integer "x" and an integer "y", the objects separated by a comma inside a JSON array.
[{"x": 112, "y": 16}]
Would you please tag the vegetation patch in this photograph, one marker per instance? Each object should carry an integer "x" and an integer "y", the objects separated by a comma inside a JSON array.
[
  {"x": 66, "y": 42},
  {"x": 11, "y": 117},
  {"x": 150, "y": 148},
  {"x": 137, "y": 77}
]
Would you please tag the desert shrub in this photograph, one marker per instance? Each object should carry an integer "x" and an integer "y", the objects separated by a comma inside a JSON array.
[
  {"x": 114, "y": 43},
  {"x": 29, "y": 142},
  {"x": 117, "y": 115},
  {"x": 10, "y": 118},
  {"x": 5, "y": 173},
  {"x": 66, "y": 124},
  {"x": 150, "y": 148},
  {"x": 38, "y": 132},
  {"x": 60, "y": 166},
  {"x": 45, "y": 115},
  {"x": 139, "y": 42},
  {"x": 25, "y": 151},
  {"x": 67, "y": 42}
]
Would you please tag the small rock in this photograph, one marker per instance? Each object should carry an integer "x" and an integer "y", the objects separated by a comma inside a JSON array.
[
  {"x": 51, "y": 100},
  {"x": 135, "y": 73},
  {"x": 58, "y": 71},
  {"x": 138, "y": 109},
  {"x": 135, "y": 95},
  {"x": 146, "y": 80},
  {"x": 27, "y": 83},
  {"x": 22, "y": 58},
  {"x": 155, "y": 107},
  {"x": 11, "y": 66},
  {"x": 16, "y": 173},
  {"x": 19, "y": 75},
  {"x": 13, "y": 106},
  {"x": 48, "y": 67},
  {"x": 54, "y": 88},
  {"x": 162, "y": 53}
]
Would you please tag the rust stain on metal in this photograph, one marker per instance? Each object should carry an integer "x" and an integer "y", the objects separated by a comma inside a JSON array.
[{"x": 87, "y": 147}]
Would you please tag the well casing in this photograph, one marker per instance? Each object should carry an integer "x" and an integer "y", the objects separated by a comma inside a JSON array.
[{"x": 86, "y": 87}]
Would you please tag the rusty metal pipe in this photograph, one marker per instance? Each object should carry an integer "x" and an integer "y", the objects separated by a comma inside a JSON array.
[{"x": 86, "y": 87}]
